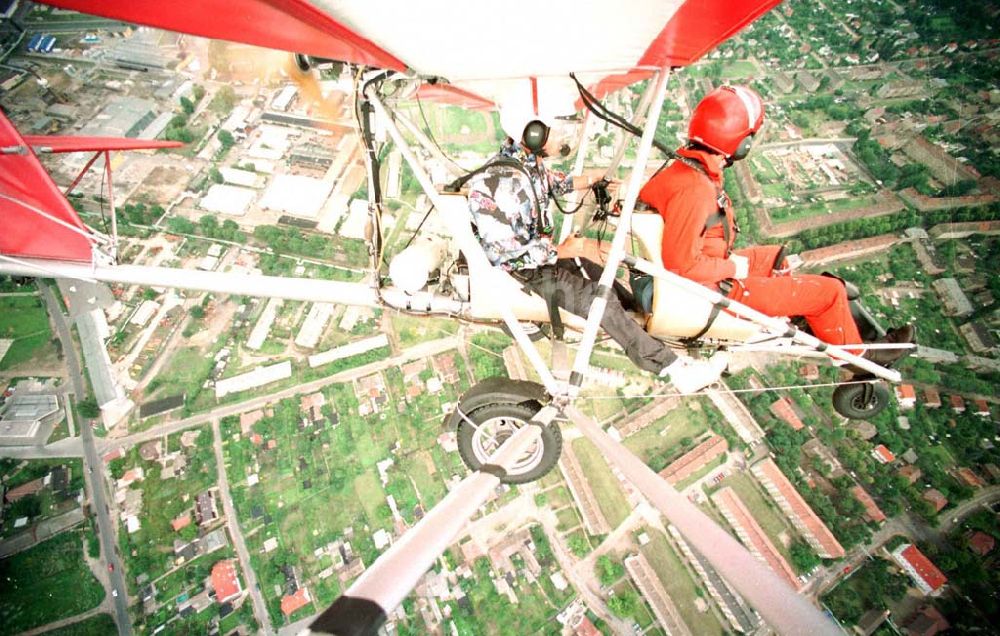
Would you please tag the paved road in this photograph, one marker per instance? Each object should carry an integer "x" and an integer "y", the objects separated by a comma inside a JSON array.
[
  {"x": 259, "y": 607},
  {"x": 99, "y": 498},
  {"x": 423, "y": 350}
]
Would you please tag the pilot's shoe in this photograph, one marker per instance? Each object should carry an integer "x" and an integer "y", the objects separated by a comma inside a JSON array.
[
  {"x": 689, "y": 376},
  {"x": 887, "y": 357}
]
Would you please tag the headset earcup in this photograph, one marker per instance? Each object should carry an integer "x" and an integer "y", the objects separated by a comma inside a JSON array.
[
  {"x": 744, "y": 148},
  {"x": 536, "y": 133}
]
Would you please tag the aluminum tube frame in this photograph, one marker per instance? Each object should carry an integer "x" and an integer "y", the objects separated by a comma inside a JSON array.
[
  {"x": 468, "y": 246},
  {"x": 776, "y": 601},
  {"x": 578, "y": 165},
  {"x": 775, "y": 324},
  {"x": 637, "y": 119},
  {"x": 617, "y": 252},
  {"x": 306, "y": 289},
  {"x": 397, "y": 571},
  {"x": 111, "y": 204}
]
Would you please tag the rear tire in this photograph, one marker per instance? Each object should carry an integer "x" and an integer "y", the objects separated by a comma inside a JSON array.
[
  {"x": 860, "y": 401},
  {"x": 491, "y": 424}
]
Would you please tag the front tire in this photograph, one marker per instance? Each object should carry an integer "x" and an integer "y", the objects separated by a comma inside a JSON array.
[
  {"x": 485, "y": 428},
  {"x": 860, "y": 401}
]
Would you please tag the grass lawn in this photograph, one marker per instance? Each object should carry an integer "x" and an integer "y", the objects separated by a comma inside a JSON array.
[
  {"x": 187, "y": 369},
  {"x": 680, "y": 587},
  {"x": 804, "y": 211},
  {"x": 662, "y": 439},
  {"x": 763, "y": 510},
  {"x": 568, "y": 519},
  {"x": 606, "y": 487},
  {"x": 24, "y": 320},
  {"x": 46, "y": 583},
  {"x": 98, "y": 624},
  {"x": 414, "y": 330}
]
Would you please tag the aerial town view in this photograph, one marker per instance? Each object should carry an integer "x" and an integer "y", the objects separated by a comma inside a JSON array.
[{"x": 251, "y": 369}]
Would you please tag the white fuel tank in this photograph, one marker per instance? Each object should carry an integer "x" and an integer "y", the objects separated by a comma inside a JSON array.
[{"x": 410, "y": 269}]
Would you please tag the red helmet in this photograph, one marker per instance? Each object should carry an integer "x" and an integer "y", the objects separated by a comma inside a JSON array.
[{"x": 726, "y": 120}]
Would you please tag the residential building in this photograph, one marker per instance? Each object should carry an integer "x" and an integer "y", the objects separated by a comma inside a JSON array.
[
  {"x": 752, "y": 535},
  {"x": 783, "y": 409},
  {"x": 981, "y": 543},
  {"x": 906, "y": 395},
  {"x": 927, "y": 621},
  {"x": 225, "y": 581},
  {"x": 797, "y": 510},
  {"x": 955, "y": 301},
  {"x": 695, "y": 459},
  {"x": 883, "y": 455},
  {"x": 957, "y": 403},
  {"x": 932, "y": 399},
  {"x": 935, "y": 498},
  {"x": 872, "y": 511},
  {"x": 924, "y": 574},
  {"x": 292, "y": 602},
  {"x": 910, "y": 473},
  {"x": 982, "y": 408}
]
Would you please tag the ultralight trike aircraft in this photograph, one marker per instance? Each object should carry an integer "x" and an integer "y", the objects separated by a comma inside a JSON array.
[{"x": 470, "y": 54}]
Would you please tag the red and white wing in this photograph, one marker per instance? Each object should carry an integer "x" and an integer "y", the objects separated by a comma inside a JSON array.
[
  {"x": 476, "y": 45},
  {"x": 29, "y": 201}
]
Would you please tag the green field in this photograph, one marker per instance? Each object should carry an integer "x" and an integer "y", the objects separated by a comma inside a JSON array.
[
  {"x": 319, "y": 484},
  {"x": 93, "y": 626},
  {"x": 605, "y": 485},
  {"x": 680, "y": 587},
  {"x": 664, "y": 440},
  {"x": 24, "y": 320},
  {"x": 819, "y": 208},
  {"x": 413, "y": 330},
  {"x": 46, "y": 583}
]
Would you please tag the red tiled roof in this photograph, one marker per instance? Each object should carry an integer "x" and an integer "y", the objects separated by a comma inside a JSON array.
[
  {"x": 24, "y": 490},
  {"x": 883, "y": 454},
  {"x": 907, "y": 392},
  {"x": 782, "y": 409},
  {"x": 290, "y": 603},
  {"x": 957, "y": 402},
  {"x": 750, "y": 532},
  {"x": 586, "y": 628},
  {"x": 981, "y": 543},
  {"x": 247, "y": 420},
  {"x": 872, "y": 511},
  {"x": 932, "y": 576},
  {"x": 118, "y": 453},
  {"x": 695, "y": 459},
  {"x": 912, "y": 473},
  {"x": 225, "y": 581},
  {"x": 932, "y": 398},
  {"x": 831, "y": 548},
  {"x": 181, "y": 522},
  {"x": 935, "y": 498},
  {"x": 970, "y": 478},
  {"x": 982, "y": 407}
]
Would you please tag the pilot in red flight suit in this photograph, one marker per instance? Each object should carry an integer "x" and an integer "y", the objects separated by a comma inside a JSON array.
[{"x": 700, "y": 228}]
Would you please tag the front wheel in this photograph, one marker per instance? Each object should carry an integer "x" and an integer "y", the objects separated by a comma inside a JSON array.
[
  {"x": 860, "y": 401},
  {"x": 482, "y": 430}
]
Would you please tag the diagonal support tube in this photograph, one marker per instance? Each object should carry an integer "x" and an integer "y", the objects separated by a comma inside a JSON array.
[
  {"x": 780, "y": 606},
  {"x": 363, "y": 608},
  {"x": 617, "y": 252}
]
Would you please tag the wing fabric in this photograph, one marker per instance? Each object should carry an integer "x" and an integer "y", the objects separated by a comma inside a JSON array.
[
  {"x": 25, "y": 189},
  {"x": 289, "y": 25}
]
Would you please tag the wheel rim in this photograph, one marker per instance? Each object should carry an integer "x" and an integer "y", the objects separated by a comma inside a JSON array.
[
  {"x": 492, "y": 433},
  {"x": 863, "y": 403}
]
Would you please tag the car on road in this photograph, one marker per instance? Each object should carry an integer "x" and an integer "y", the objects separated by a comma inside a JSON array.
[
  {"x": 111, "y": 567},
  {"x": 114, "y": 593}
]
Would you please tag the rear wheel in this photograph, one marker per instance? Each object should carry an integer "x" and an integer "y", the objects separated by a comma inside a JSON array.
[
  {"x": 860, "y": 401},
  {"x": 484, "y": 429}
]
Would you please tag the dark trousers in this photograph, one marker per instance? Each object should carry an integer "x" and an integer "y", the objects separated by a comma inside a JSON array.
[{"x": 574, "y": 291}]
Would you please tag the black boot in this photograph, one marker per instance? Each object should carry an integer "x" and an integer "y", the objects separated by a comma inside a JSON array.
[{"x": 887, "y": 357}]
